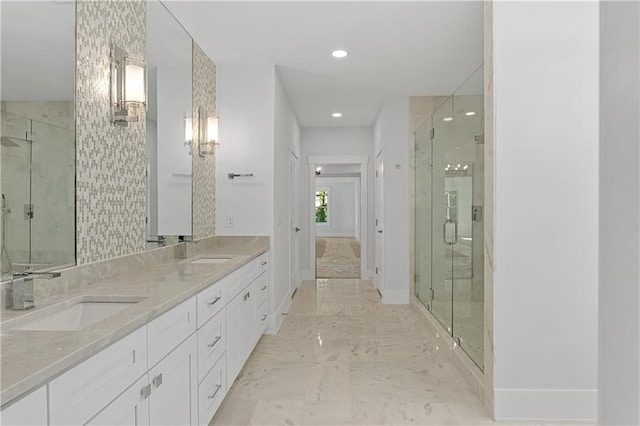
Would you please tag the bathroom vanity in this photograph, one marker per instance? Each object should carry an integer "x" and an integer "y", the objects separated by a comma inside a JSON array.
[{"x": 171, "y": 339}]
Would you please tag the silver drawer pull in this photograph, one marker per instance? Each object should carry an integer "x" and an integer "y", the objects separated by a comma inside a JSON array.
[
  {"x": 218, "y": 387},
  {"x": 146, "y": 392},
  {"x": 157, "y": 381},
  {"x": 264, "y": 317},
  {"x": 264, "y": 287},
  {"x": 217, "y": 339},
  {"x": 263, "y": 263},
  {"x": 214, "y": 301}
]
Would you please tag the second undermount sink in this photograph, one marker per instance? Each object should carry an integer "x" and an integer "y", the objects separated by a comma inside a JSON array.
[
  {"x": 212, "y": 260},
  {"x": 81, "y": 313}
]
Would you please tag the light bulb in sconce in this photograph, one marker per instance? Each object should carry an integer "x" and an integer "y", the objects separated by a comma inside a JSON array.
[
  {"x": 208, "y": 135},
  {"x": 212, "y": 130},
  {"x": 128, "y": 87}
]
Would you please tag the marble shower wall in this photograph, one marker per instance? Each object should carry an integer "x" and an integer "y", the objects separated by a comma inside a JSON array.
[
  {"x": 489, "y": 197},
  {"x": 204, "y": 168},
  {"x": 110, "y": 159}
]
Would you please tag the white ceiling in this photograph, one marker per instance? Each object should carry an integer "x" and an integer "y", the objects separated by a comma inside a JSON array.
[
  {"x": 38, "y": 50},
  {"x": 395, "y": 48}
]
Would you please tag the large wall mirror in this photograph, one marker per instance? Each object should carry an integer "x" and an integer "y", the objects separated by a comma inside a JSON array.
[
  {"x": 169, "y": 128},
  {"x": 38, "y": 135}
]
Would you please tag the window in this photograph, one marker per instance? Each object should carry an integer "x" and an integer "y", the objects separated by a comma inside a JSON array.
[{"x": 322, "y": 206}]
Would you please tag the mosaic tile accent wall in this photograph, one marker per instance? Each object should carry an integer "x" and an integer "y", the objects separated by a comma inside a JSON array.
[
  {"x": 204, "y": 168},
  {"x": 110, "y": 159}
]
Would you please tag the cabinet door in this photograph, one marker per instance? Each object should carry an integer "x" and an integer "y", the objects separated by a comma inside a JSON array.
[
  {"x": 249, "y": 320},
  {"x": 130, "y": 408},
  {"x": 174, "y": 387},
  {"x": 30, "y": 410},
  {"x": 234, "y": 314}
]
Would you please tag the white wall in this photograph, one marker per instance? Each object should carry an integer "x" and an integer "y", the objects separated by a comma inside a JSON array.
[
  {"x": 334, "y": 141},
  {"x": 287, "y": 140},
  {"x": 391, "y": 133},
  {"x": 342, "y": 207},
  {"x": 245, "y": 100},
  {"x": 619, "y": 369},
  {"x": 546, "y": 210}
]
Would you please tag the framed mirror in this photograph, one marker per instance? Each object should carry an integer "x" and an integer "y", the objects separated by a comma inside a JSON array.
[
  {"x": 37, "y": 129},
  {"x": 169, "y": 128}
]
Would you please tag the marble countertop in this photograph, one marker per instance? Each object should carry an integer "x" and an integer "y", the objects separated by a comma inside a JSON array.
[{"x": 32, "y": 358}]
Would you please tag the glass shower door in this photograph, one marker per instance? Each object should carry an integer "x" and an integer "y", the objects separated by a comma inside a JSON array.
[
  {"x": 443, "y": 225},
  {"x": 422, "y": 150},
  {"x": 52, "y": 196},
  {"x": 16, "y": 178},
  {"x": 466, "y": 176}
]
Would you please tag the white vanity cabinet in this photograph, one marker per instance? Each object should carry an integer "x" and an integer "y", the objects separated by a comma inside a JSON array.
[
  {"x": 30, "y": 410},
  {"x": 244, "y": 323},
  {"x": 175, "y": 370}
]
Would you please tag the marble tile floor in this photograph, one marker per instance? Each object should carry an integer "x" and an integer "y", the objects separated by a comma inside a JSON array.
[{"x": 341, "y": 357}]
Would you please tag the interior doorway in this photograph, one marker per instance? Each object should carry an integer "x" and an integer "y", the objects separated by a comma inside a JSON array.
[{"x": 337, "y": 221}]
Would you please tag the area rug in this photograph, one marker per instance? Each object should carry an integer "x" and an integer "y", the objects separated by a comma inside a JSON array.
[{"x": 337, "y": 258}]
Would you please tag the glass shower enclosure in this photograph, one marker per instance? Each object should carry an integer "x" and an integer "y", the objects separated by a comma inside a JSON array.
[
  {"x": 38, "y": 194},
  {"x": 449, "y": 194}
]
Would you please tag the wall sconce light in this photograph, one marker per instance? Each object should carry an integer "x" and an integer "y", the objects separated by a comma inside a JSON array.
[
  {"x": 188, "y": 132},
  {"x": 128, "y": 86},
  {"x": 209, "y": 137}
]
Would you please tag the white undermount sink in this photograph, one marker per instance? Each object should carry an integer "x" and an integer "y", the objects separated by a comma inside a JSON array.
[
  {"x": 82, "y": 313},
  {"x": 212, "y": 260}
]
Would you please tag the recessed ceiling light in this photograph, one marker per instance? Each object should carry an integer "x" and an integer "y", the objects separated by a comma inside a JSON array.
[
  {"x": 447, "y": 119},
  {"x": 339, "y": 53},
  {"x": 470, "y": 113},
  {"x": 336, "y": 115}
]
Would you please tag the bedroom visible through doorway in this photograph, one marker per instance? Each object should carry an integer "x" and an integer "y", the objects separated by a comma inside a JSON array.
[{"x": 337, "y": 221}]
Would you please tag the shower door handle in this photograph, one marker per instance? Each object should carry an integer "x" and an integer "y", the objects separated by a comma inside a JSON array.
[{"x": 445, "y": 228}]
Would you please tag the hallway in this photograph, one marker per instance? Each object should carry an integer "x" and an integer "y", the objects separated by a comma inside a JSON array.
[
  {"x": 337, "y": 258},
  {"x": 343, "y": 358}
]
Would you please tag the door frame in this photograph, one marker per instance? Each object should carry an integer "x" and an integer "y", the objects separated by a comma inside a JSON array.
[
  {"x": 293, "y": 222},
  {"x": 363, "y": 160}
]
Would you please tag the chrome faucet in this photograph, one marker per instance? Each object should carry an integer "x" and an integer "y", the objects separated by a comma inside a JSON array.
[{"x": 22, "y": 288}]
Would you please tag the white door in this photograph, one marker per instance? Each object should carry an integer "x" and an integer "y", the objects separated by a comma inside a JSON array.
[
  {"x": 131, "y": 408},
  {"x": 294, "y": 223},
  {"x": 378, "y": 276},
  {"x": 174, "y": 387},
  {"x": 233, "y": 319}
]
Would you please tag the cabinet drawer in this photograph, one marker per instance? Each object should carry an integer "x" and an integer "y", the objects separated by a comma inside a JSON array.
[
  {"x": 211, "y": 300},
  {"x": 169, "y": 330},
  {"x": 262, "y": 288},
  {"x": 82, "y": 392},
  {"x": 211, "y": 392},
  {"x": 235, "y": 284},
  {"x": 263, "y": 263},
  {"x": 250, "y": 271},
  {"x": 263, "y": 317},
  {"x": 211, "y": 344},
  {"x": 30, "y": 410}
]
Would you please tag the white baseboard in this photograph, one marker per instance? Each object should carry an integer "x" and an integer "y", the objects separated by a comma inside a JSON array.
[
  {"x": 548, "y": 405},
  {"x": 335, "y": 235},
  {"x": 395, "y": 297},
  {"x": 275, "y": 319},
  {"x": 368, "y": 275},
  {"x": 308, "y": 275}
]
